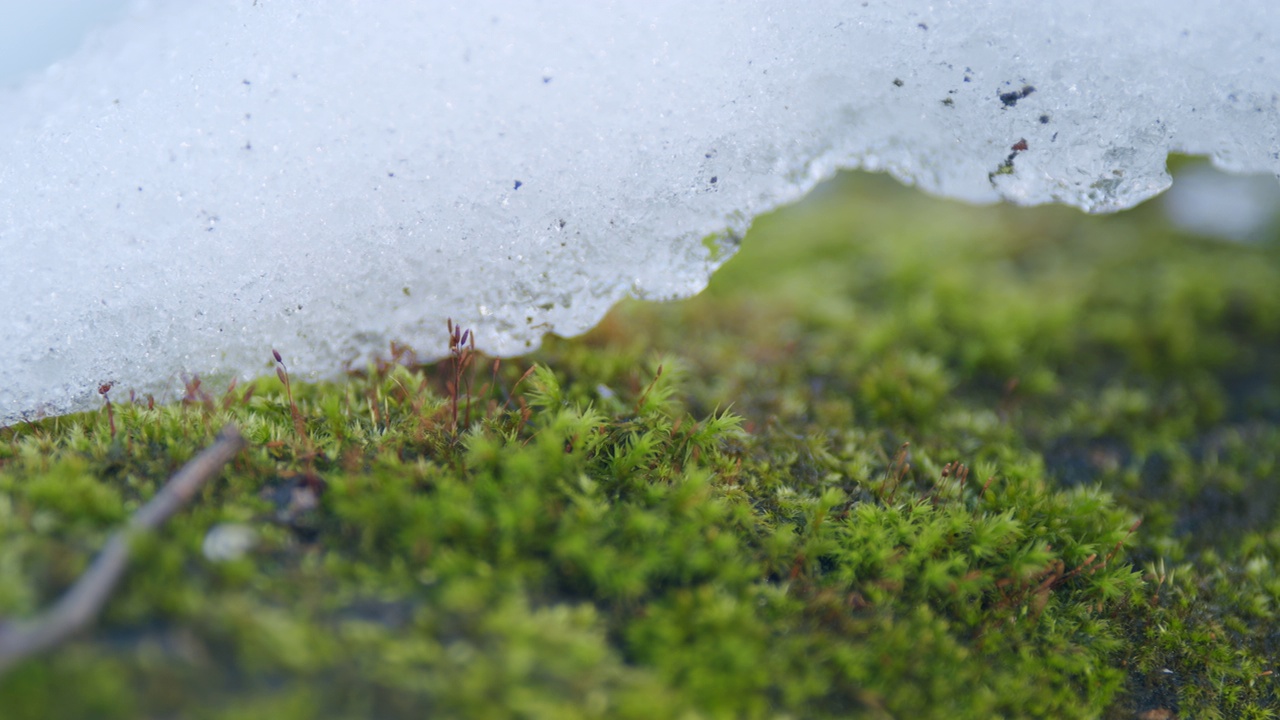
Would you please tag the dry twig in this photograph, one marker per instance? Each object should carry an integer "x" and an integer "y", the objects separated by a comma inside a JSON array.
[{"x": 81, "y": 604}]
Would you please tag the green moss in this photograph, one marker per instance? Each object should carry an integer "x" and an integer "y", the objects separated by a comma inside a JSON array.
[{"x": 944, "y": 425}]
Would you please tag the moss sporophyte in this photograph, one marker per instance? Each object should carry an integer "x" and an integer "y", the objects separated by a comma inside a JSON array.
[{"x": 903, "y": 458}]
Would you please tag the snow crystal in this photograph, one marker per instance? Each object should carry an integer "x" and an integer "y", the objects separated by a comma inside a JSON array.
[{"x": 201, "y": 182}]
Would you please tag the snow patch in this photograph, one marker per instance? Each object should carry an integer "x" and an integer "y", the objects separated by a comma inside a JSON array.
[{"x": 202, "y": 182}]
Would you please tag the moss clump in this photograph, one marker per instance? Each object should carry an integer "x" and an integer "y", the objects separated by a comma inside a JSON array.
[{"x": 946, "y": 425}]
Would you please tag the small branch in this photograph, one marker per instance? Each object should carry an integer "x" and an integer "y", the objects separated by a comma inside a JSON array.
[{"x": 82, "y": 603}]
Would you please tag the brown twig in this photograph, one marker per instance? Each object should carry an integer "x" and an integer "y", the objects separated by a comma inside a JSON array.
[{"x": 82, "y": 603}]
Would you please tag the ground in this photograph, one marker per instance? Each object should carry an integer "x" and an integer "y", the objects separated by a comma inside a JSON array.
[{"x": 903, "y": 458}]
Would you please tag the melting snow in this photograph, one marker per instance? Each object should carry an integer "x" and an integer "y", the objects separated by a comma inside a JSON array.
[{"x": 201, "y": 182}]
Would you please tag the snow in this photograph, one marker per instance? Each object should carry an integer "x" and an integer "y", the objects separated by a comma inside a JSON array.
[{"x": 201, "y": 182}]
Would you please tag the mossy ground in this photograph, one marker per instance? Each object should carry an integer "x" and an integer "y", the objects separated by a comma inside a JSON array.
[{"x": 892, "y": 466}]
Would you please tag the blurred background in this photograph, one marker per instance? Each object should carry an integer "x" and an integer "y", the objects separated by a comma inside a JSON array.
[{"x": 35, "y": 34}]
